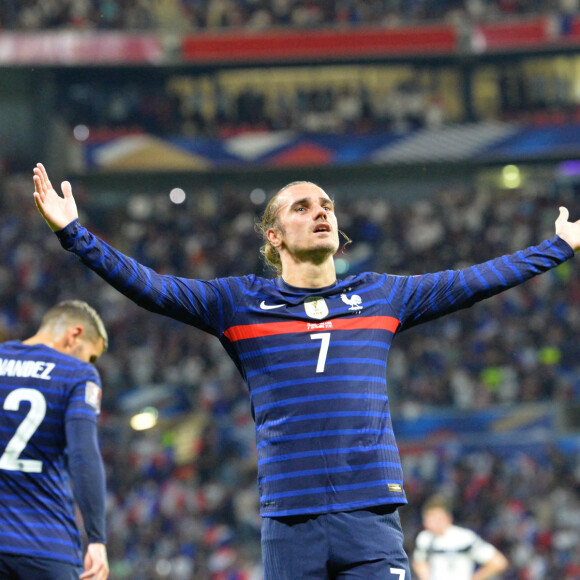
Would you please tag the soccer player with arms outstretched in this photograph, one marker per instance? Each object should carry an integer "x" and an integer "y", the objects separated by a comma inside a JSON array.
[
  {"x": 313, "y": 351},
  {"x": 50, "y": 396}
]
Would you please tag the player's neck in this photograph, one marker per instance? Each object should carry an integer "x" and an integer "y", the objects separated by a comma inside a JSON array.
[
  {"x": 40, "y": 338},
  {"x": 47, "y": 339},
  {"x": 309, "y": 275}
]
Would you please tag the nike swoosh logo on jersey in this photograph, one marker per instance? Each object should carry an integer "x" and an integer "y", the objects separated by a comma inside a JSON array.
[{"x": 265, "y": 306}]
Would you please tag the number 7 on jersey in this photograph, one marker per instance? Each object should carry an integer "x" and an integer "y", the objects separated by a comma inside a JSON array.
[{"x": 324, "y": 338}]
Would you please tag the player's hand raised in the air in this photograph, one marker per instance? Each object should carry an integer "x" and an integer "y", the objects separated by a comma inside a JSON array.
[
  {"x": 567, "y": 230},
  {"x": 56, "y": 210}
]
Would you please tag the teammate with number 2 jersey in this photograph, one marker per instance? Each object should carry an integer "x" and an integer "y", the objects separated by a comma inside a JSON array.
[
  {"x": 313, "y": 351},
  {"x": 49, "y": 401}
]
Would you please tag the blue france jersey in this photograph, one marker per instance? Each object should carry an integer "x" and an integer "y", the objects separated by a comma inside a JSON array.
[
  {"x": 40, "y": 390},
  {"x": 315, "y": 362}
]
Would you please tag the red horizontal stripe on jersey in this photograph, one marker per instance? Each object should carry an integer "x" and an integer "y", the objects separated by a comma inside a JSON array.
[{"x": 245, "y": 331}]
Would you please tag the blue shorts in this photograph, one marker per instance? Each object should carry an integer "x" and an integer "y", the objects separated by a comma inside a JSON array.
[
  {"x": 357, "y": 545},
  {"x": 13, "y": 567}
]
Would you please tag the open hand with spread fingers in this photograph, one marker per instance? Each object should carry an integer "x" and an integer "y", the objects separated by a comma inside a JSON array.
[{"x": 57, "y": 211}]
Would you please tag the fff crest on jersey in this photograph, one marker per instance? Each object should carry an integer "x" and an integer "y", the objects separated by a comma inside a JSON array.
[
  {"x": 354, "y": 301},
  {"x": 316, "y": 307}
]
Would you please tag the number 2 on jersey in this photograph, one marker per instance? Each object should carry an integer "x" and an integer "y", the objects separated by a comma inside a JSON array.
[
  {"x": 324, "y": 338},
  {"x": 10, "y": 459}
]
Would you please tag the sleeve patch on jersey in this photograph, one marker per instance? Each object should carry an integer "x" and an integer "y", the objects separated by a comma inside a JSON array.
[{"x": 93, "y": 394}]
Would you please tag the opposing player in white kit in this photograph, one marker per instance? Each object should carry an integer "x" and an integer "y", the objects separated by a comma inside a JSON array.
[{"x": 444, "y": 551}]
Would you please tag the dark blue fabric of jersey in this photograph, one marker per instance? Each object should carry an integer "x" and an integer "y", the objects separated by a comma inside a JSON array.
[
  {"x": 42, "y": 406},
  {"x": 315, "y": 361},
  {"x": 88, "y": 476}
]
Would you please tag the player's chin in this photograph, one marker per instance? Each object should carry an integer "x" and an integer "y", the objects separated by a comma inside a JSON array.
[
  {"x": 327, "y": 240},
  {"x": 317, "y": 253},
  {"x": 325, "y": 250},
  {"x": 333, "y": 245}
]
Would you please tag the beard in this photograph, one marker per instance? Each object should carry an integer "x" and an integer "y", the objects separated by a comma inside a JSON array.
[{"x": 319, "y": 253}]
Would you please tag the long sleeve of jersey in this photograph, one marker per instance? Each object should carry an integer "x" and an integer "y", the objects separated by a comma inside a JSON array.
[
  {"x": 186, "y": 300},
  {"x": 430, "y": 296},
  {"x": 88, "y": 475},
  {"x": 422, "y": 298}
]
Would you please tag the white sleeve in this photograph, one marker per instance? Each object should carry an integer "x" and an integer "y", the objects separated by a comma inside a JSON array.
[
  {"x": 422, "y": 544},
  {"x": 481, "y": 551}
]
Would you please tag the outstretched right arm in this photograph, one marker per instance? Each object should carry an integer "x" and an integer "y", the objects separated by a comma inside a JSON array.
[{"x": 207, "y": 305}]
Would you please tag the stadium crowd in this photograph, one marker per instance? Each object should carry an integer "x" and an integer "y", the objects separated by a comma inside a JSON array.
[
  {"x": 178, "y": 106},
  {"x": 338, "y": 100},
  {"x": 182, "y": 497},
  {"x": 256, "y": 14}
]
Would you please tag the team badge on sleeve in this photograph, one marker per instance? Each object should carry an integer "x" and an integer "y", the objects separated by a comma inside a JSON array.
[{"x": 93, "y": 394}]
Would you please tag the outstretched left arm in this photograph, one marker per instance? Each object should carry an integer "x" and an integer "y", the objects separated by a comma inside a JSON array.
[
  {"x": 567, "y": 230},
  {"x": 430, "y": 296}
]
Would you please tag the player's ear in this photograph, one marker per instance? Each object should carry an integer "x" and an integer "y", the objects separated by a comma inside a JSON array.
[
  {"x": 74, "y": 333},
  {"x": 274, "y": 237}
]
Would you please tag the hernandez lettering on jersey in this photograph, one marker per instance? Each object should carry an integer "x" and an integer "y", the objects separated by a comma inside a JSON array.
[{"x": 30, "y": 368}]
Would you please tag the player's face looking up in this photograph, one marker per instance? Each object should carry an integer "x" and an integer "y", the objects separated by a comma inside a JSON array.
[{"x": 306, "y": 228}]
